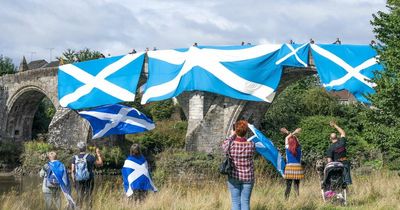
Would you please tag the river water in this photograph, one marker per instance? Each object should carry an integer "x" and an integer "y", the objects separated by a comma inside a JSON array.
[
  {"x": 10, "y": 183},
  {"x": 21, "y": 184}
]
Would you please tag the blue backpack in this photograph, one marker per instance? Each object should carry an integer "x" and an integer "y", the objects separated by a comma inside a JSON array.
[
  {"x": 81, "y": 168},
  {"x": 51, "y": 179}
]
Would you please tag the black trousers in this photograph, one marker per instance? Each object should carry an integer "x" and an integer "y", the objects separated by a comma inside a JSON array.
[
  {"x": 84, "y": 190},
  {"x": 289, "y": 187}
]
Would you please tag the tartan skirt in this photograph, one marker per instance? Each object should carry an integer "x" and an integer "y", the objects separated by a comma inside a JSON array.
[{"x": 294, "y": 171}]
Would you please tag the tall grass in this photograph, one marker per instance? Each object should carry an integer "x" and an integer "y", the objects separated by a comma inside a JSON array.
[{"x": 380, "y": 190}]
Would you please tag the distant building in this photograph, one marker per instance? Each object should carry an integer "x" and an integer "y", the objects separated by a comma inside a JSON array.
[
  {"x": 344, "y": 97},
  {"x": 37, "y": 64}
]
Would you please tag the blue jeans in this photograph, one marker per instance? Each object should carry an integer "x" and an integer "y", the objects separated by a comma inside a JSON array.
[{"x": 240, "y": 194}]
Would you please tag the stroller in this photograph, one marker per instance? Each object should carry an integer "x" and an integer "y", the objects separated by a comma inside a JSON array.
[{"x": 333, "y": 186}]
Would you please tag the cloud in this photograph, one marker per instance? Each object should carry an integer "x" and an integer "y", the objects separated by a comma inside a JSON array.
[{"x": 116, "y": 27}]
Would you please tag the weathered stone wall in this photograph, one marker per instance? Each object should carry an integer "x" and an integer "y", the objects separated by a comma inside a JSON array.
[
  {"x": 67, "y": 128},
  {"x": 211, "y": 116},
  {"x": 20, "y": 95}
]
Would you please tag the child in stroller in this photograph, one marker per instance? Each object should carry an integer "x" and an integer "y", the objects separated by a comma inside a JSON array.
[{"x": 333, "y": 186}]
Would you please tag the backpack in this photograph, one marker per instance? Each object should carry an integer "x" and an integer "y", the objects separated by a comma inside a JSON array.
[
  {"x": 81, "y": 168},
  {"x": 51, "y": 179}
]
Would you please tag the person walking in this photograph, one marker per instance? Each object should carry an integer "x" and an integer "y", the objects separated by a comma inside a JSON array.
[
  {"x": 294, "y": 171},
  {"x": 82, "y": 166},
  {"x": 50, "y": 187},
  {"x": 337, "y": 151},
  {"x": 241, "y": 180}
]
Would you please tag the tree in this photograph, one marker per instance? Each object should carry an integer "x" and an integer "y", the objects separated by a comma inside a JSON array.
[
  {"x": 382, "y": 125},
  {"x": 6, "y": 66},
  {"x": 387, "y": 30},
  {"x": 71, "y": 56}
]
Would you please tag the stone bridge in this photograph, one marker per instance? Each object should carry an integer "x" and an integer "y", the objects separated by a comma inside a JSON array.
[
  {"x": 20, "y": 96},
  {"x": 210, "y": 116}
]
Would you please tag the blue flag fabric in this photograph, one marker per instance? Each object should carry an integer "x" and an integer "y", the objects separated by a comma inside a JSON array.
[
  {"x": 116, "y": 119},
  {"x": 266, "y": 148},
  {"x": 136, "y": 176},
  {"x": 347, "y": 67},
  {"x": 294, "y": 55},
  {"x": 99, "y": 82},
  {"x": 241, "y": 72},
  {"x": 60, "y": 172}
]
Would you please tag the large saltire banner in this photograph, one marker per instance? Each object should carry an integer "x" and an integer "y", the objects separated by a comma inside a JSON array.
[
  {"x": 347, "y": 67},
  {"x": 99, "y": 82},
  {"x": 241, "y": 72},
  {"x": 294, "y": 55}
]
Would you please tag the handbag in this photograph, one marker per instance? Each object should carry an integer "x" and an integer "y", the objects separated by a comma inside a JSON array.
[{"x": 227, "y": 166}]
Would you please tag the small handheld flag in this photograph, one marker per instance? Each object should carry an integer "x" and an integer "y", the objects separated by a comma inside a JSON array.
[{"x": 266, "y": 148}]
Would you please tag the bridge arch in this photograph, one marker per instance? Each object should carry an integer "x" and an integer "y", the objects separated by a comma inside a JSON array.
[{"x": 21, "y": 109}]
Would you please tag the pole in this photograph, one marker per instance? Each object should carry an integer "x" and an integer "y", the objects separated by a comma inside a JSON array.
[{"x": 51, "y": 57}]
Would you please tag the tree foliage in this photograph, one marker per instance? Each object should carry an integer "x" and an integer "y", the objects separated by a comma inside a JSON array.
[
  {"x": 307, "y": 105},
  {"x": 6, "y": 66},
  {"x": 387, "y": 31},
  {"x": 71, "y": 56}
]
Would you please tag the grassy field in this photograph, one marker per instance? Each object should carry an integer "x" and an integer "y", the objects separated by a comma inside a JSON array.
[{"x": 379, "y": 190}]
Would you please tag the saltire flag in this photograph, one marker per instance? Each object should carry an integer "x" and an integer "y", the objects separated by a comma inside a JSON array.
[
  {"x": 61, "y": 174},
  {"x": 266, "y": 148},
  {"x": 294, "y": 55},
  {"x": 99, "y": 82},
  {"x": 136, "y": 176},
  {"x": 347, "y": 67},
  {"x": 116, "y": 119},
  {"x": 241, "y": 72}
]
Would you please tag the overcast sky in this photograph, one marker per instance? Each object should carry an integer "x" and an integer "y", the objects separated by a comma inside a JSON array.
[{"x": 30, "y": 28}]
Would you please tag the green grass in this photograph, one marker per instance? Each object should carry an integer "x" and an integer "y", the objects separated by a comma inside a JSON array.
[{"x": 380, "y": 190}]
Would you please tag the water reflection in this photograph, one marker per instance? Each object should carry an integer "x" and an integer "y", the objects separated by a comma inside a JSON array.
[
  {"x": 10, "y": 183},
  {"x": 19, "y": 184}
]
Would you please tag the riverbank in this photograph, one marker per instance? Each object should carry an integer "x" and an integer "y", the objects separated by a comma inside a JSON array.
[{"x": 380, "y": 190}]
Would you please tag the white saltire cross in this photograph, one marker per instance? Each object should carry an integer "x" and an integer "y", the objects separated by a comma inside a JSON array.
[
  {"x": 139, "y": 170},
  {"x": 210, "y": 60},
  {"x": 351, "y": 72},
  {"x": 115, "y": 119},
  {"x": 293, "y": 52},
  {"x": 98, "y": 81}
]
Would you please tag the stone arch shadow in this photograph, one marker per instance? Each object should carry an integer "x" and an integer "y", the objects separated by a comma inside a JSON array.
[
  {"x": 65, "y": 129},
  {"x": 21, "y": 109}
]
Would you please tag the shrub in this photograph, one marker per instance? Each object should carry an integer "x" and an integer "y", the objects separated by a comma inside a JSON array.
[
  {"x": 167, "y": 134},
  {"x": 178, "y": 164},
  {"x": 35, "y": 155},
  {"x": 9, "y": 153}
]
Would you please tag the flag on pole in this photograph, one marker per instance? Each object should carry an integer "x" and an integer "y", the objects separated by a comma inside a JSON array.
[
  {"x": 266, "y": 148},
  {"x": 116, "y": 119},
  {"x": 347, "y": 67},
  {"x": 60, "y": 172},
  {"x": 136, "y": 176},
  {"x": 241, "y": 72},
  {"x": 98, "y": 82}
]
